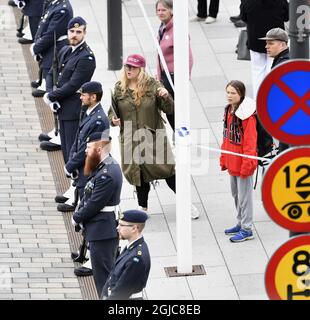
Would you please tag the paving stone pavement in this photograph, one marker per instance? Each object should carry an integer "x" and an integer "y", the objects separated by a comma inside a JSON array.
[
  {"x": 28, "y": 215},
  {"x": 34, "y": 249}
]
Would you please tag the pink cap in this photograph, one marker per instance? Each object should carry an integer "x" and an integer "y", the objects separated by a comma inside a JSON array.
[{"x": 135, "y": 60}]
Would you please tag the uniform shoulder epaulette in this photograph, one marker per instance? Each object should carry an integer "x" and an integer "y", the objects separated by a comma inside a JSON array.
[
  {"x": 89, "y": 50},
  {"x": 139, "y": 250}
]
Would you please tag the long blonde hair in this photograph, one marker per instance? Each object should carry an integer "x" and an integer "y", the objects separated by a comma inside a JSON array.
[{"x": 142, "y": 85}]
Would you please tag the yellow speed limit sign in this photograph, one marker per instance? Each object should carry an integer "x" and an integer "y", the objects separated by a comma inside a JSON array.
[
  {"x": 286, "y": 190},
  {"x": 287, "y": 275}
]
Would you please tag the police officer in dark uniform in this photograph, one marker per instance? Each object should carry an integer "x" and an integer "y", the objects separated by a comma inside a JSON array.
[
  {"x": 96, "y": 211},
  {"x": 93, "y": 119},
  {"x": 52, "y": 27},
  {"x": 131, "y": 269},
  {"x": 76, "y": 66},
  {"x": 33, "y": 9}
]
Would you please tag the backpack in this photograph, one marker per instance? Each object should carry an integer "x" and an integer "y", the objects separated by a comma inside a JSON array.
[{"x": 265, "y": 144}]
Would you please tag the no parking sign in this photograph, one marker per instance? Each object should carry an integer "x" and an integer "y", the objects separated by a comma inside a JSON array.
[{"x": 283, "y": 102}]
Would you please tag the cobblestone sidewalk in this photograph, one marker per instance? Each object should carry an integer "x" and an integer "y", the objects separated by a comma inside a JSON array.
[{"x": 34, "y": 248}]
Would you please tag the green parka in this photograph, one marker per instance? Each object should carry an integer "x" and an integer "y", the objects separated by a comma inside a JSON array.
[{"x": 143, "y": 141}]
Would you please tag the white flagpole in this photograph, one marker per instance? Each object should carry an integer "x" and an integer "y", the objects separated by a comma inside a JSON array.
[{"x": 182, "y": 137}]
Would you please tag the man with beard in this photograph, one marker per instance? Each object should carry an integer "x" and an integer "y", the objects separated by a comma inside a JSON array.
[
  {"x": 76, "y": 66},
  {"x": 131, "y": 269},
  {"x": 93, "y": 119},
  {"x": 96, "y": 212}
]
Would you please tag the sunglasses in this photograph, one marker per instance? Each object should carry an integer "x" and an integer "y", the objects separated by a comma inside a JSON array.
[{"x": 129, "y": 67}]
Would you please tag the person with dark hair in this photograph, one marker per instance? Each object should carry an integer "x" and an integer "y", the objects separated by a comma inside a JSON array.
[
  {"x": 202, "y": 8},
  {"x": 131, "y": 269},
  {"x": 76, "y": 66},
  {"x": 240, "y": 136},
  {"x": 145, "y": 150},
  {"x": 92, "y": 119},
  {"x": 96, "y": 211},
  {"x": 164, "y": 10},
  {"x": 261, "y": 16}
]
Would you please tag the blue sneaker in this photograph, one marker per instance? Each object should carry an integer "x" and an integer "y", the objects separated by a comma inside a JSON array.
[
  {"x": 242, "y": 235},
  {"x": 232, "y": 230}
]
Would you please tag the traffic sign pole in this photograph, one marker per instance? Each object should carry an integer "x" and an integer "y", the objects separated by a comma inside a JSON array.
[
  {"x": 299, "y": 29},
  {"x": 299, "y": 37}
]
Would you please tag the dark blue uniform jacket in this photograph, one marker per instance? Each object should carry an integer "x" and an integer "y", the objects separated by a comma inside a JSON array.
[
  {"x": 75, "y": 69},
  {"x": 130, "y": 272},
  {"x": 53, "y": 21},
  {"x": 96, "y": 121},
  {"x": 33, "y": 8},
  {"x": 103, "y": 189}
]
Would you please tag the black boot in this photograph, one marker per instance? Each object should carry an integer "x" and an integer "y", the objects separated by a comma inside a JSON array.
[
  {"x": 49, "y": 146},
  {"x": 24, "y": 41},
  {"x": 235, "y": 18}
]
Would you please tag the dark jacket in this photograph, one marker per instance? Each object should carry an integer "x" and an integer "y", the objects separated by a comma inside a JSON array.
[
  {"x": 103, "y": 189},
  {"x": 281, "y": 58},
  {"x": 130, "y": 272},
  {"x": 53, "y": 21},
  {"x": 261, "y": 16},
  {"x": 96, "y": 121},
  {"x": 74, "y": 69},
  {"x": 33, "y": 8}
]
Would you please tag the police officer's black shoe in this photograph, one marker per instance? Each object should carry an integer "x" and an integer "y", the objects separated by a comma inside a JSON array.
[
  {"x": 19, "y": 34},
  {"x": 63, "y": 207},
  {"x": 12, "y": 3},
  {"x": 60, "y": 199},
  {"x": 24, "y": 41},
  {"x": 240, "y": 24},
  {"x": 75, "y": 256},
  {"x": 37, "y": 93},
  {"x": 83, "y": 272},
  {"x": 49, "y": 146},
  {"x": 235, "y": 18},
  {"x": 35, "y": 84},
  {"x": 44, "y": 137}
]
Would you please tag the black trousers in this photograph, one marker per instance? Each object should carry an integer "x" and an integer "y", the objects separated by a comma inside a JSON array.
[
  {"x": 102, "y": 257},
  {"x": 202, "y": 7},
  {"x": 144, "y": 189},
  {"x": 167, "y": 85},
  {"x": 68, "y": 129},
  {"x": 33, "y": 24}
]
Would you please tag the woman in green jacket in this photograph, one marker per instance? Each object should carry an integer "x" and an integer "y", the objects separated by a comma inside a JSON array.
[{"x": 146, "y": 154}]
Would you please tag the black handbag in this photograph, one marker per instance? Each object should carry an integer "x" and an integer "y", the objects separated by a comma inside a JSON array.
[{"x": 242, "y": 48}]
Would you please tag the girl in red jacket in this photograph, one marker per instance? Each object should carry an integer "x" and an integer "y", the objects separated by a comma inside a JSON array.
[{"x": 240, "y": 136}]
